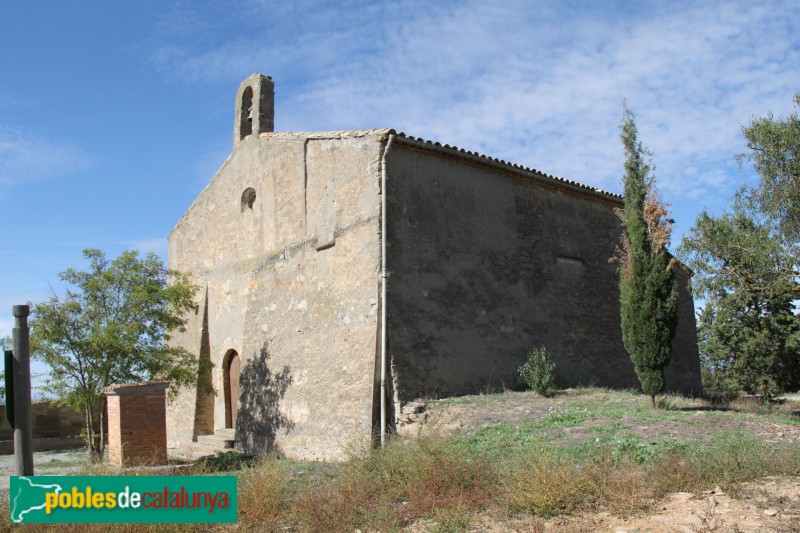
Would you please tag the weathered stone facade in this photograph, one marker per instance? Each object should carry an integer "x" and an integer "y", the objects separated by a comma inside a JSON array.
[{"x": 484, "y": 259}]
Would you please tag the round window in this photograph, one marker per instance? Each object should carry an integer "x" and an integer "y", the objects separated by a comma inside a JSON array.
[{"x": 248, "y": 198}]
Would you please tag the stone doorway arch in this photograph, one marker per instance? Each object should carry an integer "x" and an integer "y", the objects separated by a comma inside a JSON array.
[{"x": 231, "y": 364}]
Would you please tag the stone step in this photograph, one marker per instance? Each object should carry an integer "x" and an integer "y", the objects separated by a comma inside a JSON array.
[
  {"x": 227, "y": 432},
  {"x": 216, "y": 441},
  {"x": 222, "y": 441}
]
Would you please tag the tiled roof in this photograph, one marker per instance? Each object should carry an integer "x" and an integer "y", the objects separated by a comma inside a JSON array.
[
  {"x": 514, "y": 167},
  {"x": 453, "y": 151},
  {"x": 324, "y": 134}
]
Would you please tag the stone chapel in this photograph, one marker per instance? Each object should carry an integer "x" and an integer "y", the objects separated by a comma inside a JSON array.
[{"x": 345, "y": 274}]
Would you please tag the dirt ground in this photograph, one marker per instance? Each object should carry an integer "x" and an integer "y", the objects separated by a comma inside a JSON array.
[
  {"x": 770, "y": 504},
  {"x": 695, "y": 419},
  {"x": 52, "y": 463}
]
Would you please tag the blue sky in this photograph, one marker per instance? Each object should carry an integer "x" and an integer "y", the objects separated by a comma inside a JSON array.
[{"x": 114, "y": 115}]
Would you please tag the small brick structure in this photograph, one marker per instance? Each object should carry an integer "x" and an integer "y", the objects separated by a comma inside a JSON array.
[{"x": 137, "y": 423}]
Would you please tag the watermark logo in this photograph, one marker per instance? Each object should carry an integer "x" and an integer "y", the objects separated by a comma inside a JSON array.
[{"x": 122, "y": 499}]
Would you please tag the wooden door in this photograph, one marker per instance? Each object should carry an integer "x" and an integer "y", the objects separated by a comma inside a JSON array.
[{"x": 231, "y": 365}]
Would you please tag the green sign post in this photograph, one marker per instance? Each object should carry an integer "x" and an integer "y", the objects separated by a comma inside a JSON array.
[
  {"x": 9, "y": 377},
  {"x": 123, "y": 499}
]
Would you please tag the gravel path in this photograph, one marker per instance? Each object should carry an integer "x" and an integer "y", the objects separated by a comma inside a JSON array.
[{"x": 52, "y": 463}]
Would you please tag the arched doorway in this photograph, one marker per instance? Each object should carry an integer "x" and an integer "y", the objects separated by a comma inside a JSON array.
[{"x": 230, "y": 376}]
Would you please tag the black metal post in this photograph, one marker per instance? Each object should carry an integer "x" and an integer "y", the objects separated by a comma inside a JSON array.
[{"x": 23, "y": 434}]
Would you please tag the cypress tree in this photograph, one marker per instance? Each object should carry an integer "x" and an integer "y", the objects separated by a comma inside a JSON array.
[{"x": 648, "y": 290}]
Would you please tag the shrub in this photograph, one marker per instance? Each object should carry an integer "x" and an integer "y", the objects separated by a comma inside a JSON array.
[
  {"x": 265, "y": 493},
  {"x": 545, "y": 484},
  {"x": 537, "y": 371},
  {"x": 434, "y": 474},
  {"x": 349, "y": 499},
  {"x": 734, "y": 457}
]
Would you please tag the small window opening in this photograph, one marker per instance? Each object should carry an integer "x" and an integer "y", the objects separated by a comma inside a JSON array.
[
  {"x": 570, "y": 260},
  {"x": 246, "y": 114},
  {"x": 248, "y": 198}
]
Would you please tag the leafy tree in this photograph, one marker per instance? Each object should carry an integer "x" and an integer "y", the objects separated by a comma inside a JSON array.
[
  {"x": 111, "y": 327},
  {"x": 747, "y": 330},
  {"x": 774, "y": 149},
  {"x": 746, "y": 267},
  {"x": 659, "y": 227},
  {"x": 648, "y": 290},
  {"x": 6, "y": 343}
]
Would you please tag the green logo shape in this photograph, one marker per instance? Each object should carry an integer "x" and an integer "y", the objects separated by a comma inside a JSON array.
[{"x": 122, "y": 499}]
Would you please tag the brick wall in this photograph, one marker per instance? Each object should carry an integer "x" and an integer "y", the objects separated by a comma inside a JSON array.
[{"x": 137, "y": 427}]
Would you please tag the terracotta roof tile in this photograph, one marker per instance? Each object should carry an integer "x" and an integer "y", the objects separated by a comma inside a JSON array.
[
  {"x": 461, "y": 152},
  {"x": 445, "y": 148}
]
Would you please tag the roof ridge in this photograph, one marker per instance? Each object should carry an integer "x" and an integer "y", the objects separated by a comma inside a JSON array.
[
  {"x": 516, "y": 166},
  {"x": 435, "y": 145},
  {"x": 327, "y": 134}
]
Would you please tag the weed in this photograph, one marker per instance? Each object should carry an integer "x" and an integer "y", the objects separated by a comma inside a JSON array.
[
  {"x": 225, "y": 462},
  {"x": 434, "y": 474},
  {"x": 537, "y": 371},
  {"x": 605, "y": 428},
  {"x": 501, "y": 440},
  {"x": 623, "y": 487},
  {"x": 674, "y": 471},
  {"x": 637, "y": 450},
  {"x": 578, "y": 457},
  {"x": 666, "y": 403},
  {"x": 453, "y": 520},
  {"x": 545, "y": 484},
  {"x": 709, "y": 520},
  {"x": 264, "y": 495},
  {"x": 731, "y": 458},
  {"x": 351, "y": 499},
  {"x": 563, "y": 418},
  {"x": 787, "y": 419}
]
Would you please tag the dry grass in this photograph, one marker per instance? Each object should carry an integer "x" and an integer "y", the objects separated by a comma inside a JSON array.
[
  {"x": 550, "y": 485},
  {"x": 432, "y": 475},
  {"x": 449, "y": 484},
  {"x": 389, "y": 488},
  {"x": 264, "y": 496},
  {"x": 545, "y": 485},
  {"x": 352, "y": 499},
  {"x": 445, "y": 486}
]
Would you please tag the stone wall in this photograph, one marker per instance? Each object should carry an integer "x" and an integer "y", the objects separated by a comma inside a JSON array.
[
  {"x": 49, "y": 421},
  {"x": 485, "y": 263},
  {"x": 683, "y": 372},
  {"x": 290, "y": 284}
]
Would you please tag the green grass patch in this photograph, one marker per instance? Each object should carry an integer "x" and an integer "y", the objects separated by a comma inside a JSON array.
[
  {"x": 605, "y": 428},
  {"x": 733, "y": 457},
  {"x": 786, "y": 419},
  {"x": 61, "y": 463}
]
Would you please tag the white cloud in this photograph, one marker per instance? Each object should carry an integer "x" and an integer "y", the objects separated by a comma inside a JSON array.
[
  {"x": 25, "y": 158},
  {"x": 538, "y": 84}
]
